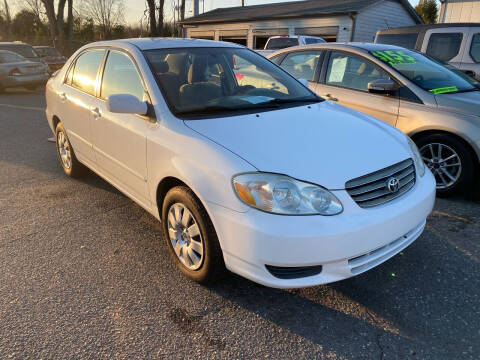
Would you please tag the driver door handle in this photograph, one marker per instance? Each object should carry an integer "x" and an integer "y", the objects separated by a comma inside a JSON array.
[
  {"x": 96, "y": 112},
  {"x": 63, "y": 96},
  {"x": 330, "y": 97}
]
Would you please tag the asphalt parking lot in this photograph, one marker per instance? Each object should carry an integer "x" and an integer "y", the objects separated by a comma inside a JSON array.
[{"x": 84, "y": 274}]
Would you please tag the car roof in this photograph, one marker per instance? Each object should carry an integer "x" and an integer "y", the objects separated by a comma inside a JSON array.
[
  {"x": 9, "y": 43},
  {"x": 165, "y": 43},
  {"x": 342, "y": 45},
  {"x": 424, "y": 27}
]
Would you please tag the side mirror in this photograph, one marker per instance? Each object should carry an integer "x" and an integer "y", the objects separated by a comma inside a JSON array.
[
  {"x": 382, "y": 86},
  {"x": 126, "y": 104},
  {"x": 470, "y": 73},
  {"x": 304, "y": 82}
]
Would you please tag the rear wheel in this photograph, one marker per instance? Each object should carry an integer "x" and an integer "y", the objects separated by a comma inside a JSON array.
[
  {"x": 71, "y": 166},
  {"x": 450, "y": 161},
  {"x": 191, "y": 237}
]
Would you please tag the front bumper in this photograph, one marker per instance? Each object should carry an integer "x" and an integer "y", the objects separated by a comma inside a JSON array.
[
  {"x": 25, "y": 80},
  {"x": 344, "y": 245}
]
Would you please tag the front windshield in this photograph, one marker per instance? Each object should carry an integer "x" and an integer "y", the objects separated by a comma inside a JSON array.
[
  {"x": 10, "y": 57},
  {"x": 216, "y": 80},
  {"x": 425, "y": 72}
]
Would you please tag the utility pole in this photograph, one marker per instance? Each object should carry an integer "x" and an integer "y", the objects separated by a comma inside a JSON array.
[
  {"x": 243, "y": 2},
  {"x": 196, "y": 7}
]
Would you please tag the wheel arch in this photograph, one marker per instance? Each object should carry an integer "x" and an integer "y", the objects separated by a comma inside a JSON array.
[
  {"x": 55, "y": 121},
  {"x": 418, "y": 135}
]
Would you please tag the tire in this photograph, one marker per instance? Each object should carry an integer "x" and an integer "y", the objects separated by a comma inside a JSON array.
[
  {"x": 73, "y": 167},
  {"x": 203, "y": 267},
  {"x": 463, "y": 175}
]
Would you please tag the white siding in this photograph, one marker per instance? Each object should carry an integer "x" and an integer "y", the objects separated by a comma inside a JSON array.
[
  {"x": 460, "y": 11},
  {"x": 387, "y": 14},
  {"x": 343, "y": 23}
]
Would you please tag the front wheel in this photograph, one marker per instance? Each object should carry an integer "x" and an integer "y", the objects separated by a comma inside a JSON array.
[
  {"x": 190, "y": 236},
  {"x": 450, "y": 162}
]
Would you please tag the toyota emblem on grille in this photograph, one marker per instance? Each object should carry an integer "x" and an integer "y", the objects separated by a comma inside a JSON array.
[{"x": 393, "y": 184}]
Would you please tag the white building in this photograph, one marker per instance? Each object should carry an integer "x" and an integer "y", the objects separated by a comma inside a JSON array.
[
  {"x": 459, "y": 11},
  {"x": 334, "y": 20}
]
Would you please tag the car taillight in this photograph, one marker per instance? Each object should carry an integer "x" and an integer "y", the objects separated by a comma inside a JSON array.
[
  {"x": 239, "y": 76},
  {"x": 15, "y": 72}
]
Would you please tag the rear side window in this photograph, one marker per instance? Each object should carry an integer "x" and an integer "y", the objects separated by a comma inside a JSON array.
[
  {"x": 301, "y": 65},
  {"x": 475, "y": 48},
  {"x": 444, "y": 46},
  {"x": 404, "y": 40},
  {"x": 281, "y": 43},
  {"x": 85, "y": 71},
  {"x": 121, "y": 77}
]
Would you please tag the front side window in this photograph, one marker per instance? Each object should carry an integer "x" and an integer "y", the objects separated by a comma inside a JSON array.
[
  {"x": 351, "y": 71},
  {"x": 84, "y": 72},
  {"x": 120, "y": 77},
  {"x": 301, "y": 65},
  {"x": 425, "y": 72},
  {"x": 444, "y": 46},
  {"x": 475, "y": 48},
  {"x": 281, "y": 43},
  {"x": 223, "y": 80},
  {"x": 404, "y": 40}
]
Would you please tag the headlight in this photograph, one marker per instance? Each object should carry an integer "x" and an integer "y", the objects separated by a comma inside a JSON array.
[
  {"x": 417, "y": 158},
  {"x": 281, "y": 194}
]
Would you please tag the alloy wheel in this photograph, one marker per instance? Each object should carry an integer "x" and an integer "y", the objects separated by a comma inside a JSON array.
[
  {"x": 185, "y": 237},
  {"x": 444, "y": 162},
  {"x": 64, "y": 150}
]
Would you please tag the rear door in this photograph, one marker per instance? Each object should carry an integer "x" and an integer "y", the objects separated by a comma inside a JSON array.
[
  {"x": 345, "y": 79},
  {"x": 119, "y": 140},
  {"x": 76, "y": 95},
  {"x": 447, "y": 44}
]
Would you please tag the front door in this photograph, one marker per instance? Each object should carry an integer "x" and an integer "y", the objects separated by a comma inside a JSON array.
[
  {"x": 346, "y": 83},
  {"x": 119, "y": 140}
]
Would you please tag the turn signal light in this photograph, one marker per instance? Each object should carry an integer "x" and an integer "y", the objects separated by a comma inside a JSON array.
[{"x": 15, "y": 72}]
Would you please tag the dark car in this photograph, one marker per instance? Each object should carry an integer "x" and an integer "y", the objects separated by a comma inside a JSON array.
[
  {"x": 25, "y": 50},
  {"x": 54, "y": 59}
]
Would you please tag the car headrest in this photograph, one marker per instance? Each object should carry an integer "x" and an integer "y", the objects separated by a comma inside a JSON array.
[
  {"x": 161, "y": 67},
  {"x": 196, "y": 72}
]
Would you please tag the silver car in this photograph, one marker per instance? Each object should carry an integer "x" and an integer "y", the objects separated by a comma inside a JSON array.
[
  {"x": 16, "y": 71},
  {"x": 438, "y": 107}
]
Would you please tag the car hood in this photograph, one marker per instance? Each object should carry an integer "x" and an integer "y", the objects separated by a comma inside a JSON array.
[
  {"x": 326, "y": 144},
  {"x": 465, "y": 103}
]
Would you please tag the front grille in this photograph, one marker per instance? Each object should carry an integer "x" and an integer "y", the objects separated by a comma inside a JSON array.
[
  {"x": 294, "y": 272},
  {"x": 371, "y": 190}
]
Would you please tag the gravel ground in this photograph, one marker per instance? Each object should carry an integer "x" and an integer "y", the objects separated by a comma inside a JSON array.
[{"x": 84, "y": 274}]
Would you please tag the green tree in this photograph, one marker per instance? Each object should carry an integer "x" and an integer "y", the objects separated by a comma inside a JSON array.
[
  {"x": 25, "y": 25},
  {"x": 427, "y": 10}
]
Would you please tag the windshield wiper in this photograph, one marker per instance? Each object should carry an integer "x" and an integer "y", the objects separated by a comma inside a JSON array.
[
  {"x": 467, "y": 90},
  {"x": 218, "y": 109},
  {"x": 294, "y": 100}
]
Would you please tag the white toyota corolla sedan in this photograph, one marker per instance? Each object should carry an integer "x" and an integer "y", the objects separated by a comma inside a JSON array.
[{"x": 268, "y": 180}]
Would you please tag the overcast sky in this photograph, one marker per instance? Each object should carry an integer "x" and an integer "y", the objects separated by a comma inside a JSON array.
[{"x": 135, "y": 8}]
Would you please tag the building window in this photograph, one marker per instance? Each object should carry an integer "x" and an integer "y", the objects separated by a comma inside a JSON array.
[
  {"x": 235, "y": 40},
  {"x": 444, "y": 46}
]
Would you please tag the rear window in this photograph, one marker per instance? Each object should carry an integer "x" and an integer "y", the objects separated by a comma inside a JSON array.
[
  {"x": 309, "y": 41},
  {"x": 24, "y": 50},
  {"x": 10, "y": 57},
  {"x": 444, "y": 46},
  {"x": 404, "y": 40},
  {"x": 281, "y": 43},
  {"x": 48, "y": 51}
]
